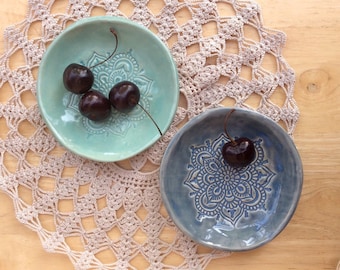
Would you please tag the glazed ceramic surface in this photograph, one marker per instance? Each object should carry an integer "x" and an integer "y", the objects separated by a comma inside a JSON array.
[
  {"x": 229, "y": 208},
  {"x": 141, "y": 58}
]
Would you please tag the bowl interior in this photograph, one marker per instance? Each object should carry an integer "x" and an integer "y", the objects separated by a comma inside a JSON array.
[{"x": 141, "y": 58}]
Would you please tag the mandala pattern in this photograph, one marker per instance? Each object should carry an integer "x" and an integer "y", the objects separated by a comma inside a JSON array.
[
  {"x": 121, "y": 67},
  {"x": 223, "y": 192}
]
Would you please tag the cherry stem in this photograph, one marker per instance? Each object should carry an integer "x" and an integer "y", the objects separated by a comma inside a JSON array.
[
  {"x": 225, "y": 126},
  {"x": 113, "y": 31},
  {"x": 148, "y": 114}
]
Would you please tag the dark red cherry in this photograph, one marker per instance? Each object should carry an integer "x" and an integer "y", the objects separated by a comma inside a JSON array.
[
  {"x": 95, "y": 106},
  {"x": 238, "y": 152},
  {"x": 78, "y": 79},
  {"x": 124, "y": 96}
]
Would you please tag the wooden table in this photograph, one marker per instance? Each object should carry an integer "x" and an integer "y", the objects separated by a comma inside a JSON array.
[{"x": 312, "y": 238}]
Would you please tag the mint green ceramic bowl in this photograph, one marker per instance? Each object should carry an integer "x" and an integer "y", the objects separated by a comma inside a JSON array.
[{"x": 141, "y": 57}]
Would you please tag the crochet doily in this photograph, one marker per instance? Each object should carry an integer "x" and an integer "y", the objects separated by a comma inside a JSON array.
[{"x": 110, "y": 215}]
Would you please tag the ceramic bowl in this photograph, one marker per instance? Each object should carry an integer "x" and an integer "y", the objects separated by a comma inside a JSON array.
[
  {"x": 141, "y": 57},
  {"x": 229, "y": 208}
]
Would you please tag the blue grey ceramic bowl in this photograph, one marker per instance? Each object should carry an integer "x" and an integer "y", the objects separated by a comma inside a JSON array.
[
  {"x": 141, "y": 57},
  {"x": 228, "y": 208}
]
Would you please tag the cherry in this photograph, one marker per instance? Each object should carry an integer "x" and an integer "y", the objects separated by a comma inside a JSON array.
[
  {"x": 238, "y": 152},
  {"x": 94, "y": 105},
  {"x": 124, "y": 96},
  {"x": 79, "y": 79}
]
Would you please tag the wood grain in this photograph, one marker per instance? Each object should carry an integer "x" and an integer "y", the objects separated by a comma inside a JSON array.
[{"x": 312, "y": 238}]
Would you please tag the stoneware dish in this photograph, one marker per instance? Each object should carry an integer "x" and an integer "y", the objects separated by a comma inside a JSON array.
[
  {"x": 141, "y": 57},
  {"x": 228, "y": 208}
]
